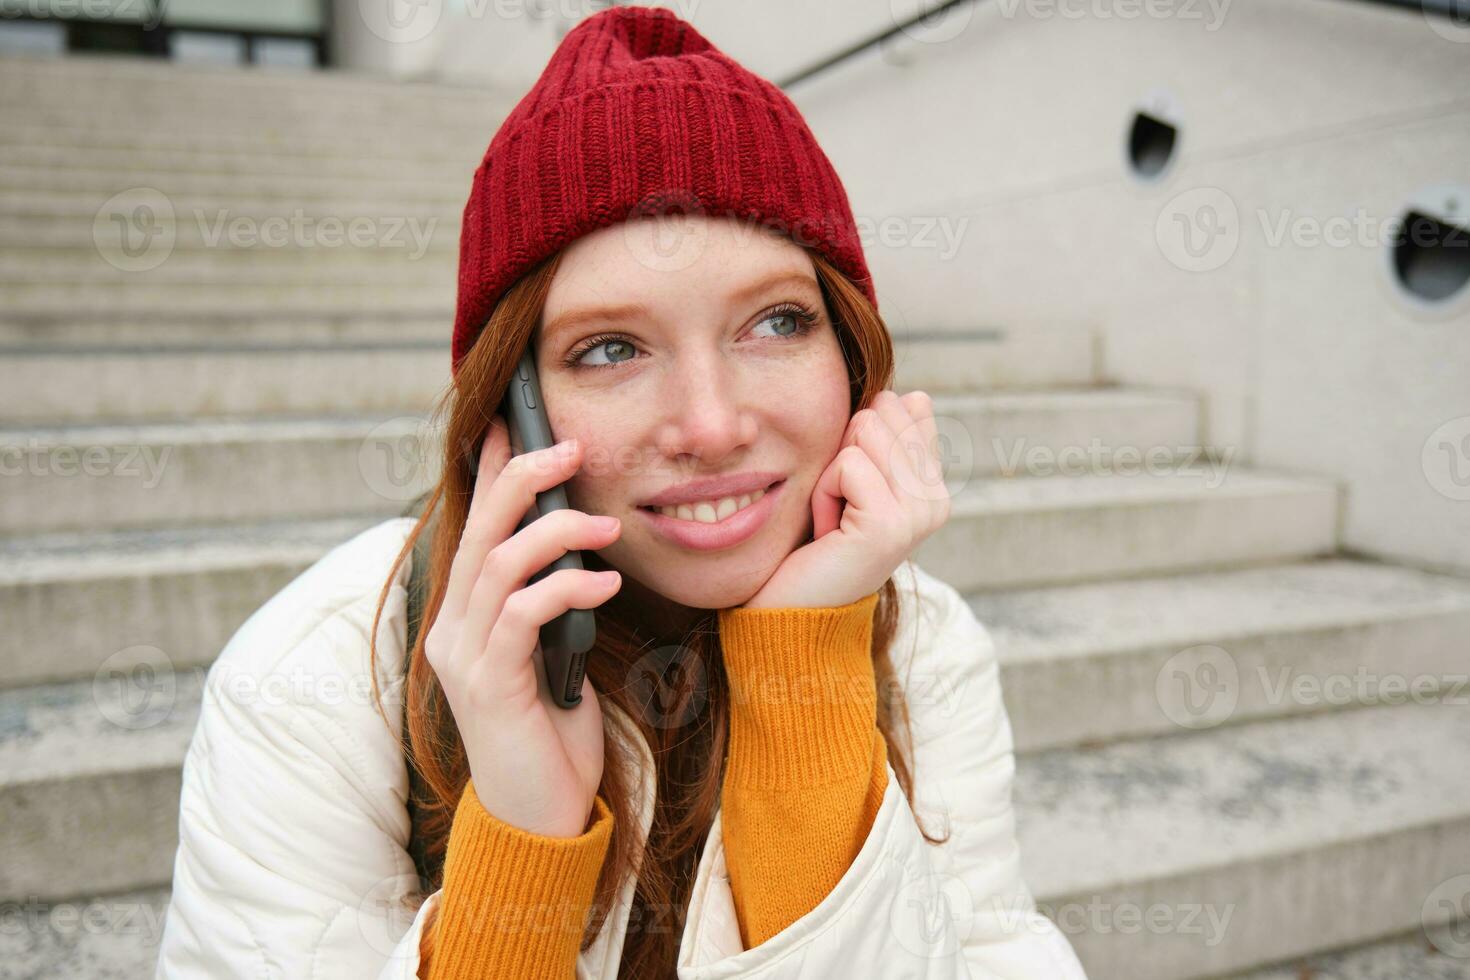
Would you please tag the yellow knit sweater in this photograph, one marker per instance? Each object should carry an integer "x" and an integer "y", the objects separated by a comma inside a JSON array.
[{"x": 806, "y": 772}]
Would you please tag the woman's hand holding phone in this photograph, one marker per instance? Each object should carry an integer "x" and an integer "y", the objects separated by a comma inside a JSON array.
[
  {"x": 875, "y": 503},
  {"x": 536, "y": 766}
]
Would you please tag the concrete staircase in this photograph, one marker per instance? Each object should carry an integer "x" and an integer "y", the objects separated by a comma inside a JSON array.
[{"x": 183, "y": 440}]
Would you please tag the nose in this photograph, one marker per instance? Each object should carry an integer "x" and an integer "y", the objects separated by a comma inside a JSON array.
[{"x": 708, "y": 413}]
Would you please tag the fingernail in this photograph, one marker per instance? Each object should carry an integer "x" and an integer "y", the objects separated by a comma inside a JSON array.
[{"x": 608, "y": 523}]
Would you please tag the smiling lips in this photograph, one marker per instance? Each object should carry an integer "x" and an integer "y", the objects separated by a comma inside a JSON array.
[
  {"x": 710, "y": 525},
  {"x": 711, "y": 511}
]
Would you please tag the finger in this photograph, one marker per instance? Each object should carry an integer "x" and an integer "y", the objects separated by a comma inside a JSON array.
[
  {"x": 853, "y": 477},
  {"x": 892, "y": 455},
  {"x": 509, "y": 496},
  {"x": 476, "y": 540},
  {"x": 826, "y": 509},
  {"x": 518, "y": 627},
  {"x": 927, "y": 463},
  {"x": 511, "y": 563}
]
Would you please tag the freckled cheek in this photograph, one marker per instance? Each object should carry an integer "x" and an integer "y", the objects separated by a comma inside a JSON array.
[{"x": 814, "y": 409}]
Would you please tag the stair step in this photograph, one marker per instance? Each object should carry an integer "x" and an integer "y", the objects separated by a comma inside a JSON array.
[
  {"x": 1107, "y": 660},
  {"x": 994, "y": 358},
  {"x": 1309, "y": 833},
  {"x": 1042, "y": 432},
  {"x": 1011, "y": 532},
  {"x": 1438, "y": 952},
  {"x": 162, "y": 329},
  {"x": 136, "y": 299},
  {"x": 284, "y": 162},
  {"x": 464, "y": 144},
  {"x": 275, "y": 236},
  {"x": 346, "y": 204},
  {"x": 407, "y": 184},
  {"x": 402, "y": 254},
  {"x": 108, "y": 754},
  {"x": 221, "y": 470},
  {"x": 53, "y": 386},
  {"x": 182, "y": 592},
  {"x": 112, "y": 936}
]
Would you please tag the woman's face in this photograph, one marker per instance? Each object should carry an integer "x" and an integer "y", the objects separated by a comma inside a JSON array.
[{"x": 687, "y": 359}]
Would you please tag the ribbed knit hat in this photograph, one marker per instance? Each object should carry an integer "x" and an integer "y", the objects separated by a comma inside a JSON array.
[{"x": 636, "y": 112}]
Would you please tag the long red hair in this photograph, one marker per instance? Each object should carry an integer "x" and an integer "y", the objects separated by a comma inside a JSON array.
[{"x": 688, "y": 756}]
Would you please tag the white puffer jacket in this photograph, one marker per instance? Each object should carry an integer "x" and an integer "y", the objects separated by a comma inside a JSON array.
[{"x": 293, "y": 825}]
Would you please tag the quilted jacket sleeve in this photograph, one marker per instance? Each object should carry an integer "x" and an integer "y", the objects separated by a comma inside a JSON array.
[
  {"x": 965, "y": 765},
  {"x": 956, "y": 911},
  {"x": 292, "y": 857}
]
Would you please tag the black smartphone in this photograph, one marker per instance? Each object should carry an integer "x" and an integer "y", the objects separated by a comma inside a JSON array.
[{"x": 567, "y": 638}]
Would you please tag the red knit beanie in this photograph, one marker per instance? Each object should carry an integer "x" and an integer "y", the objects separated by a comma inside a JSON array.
[{"x": 635, "y": 113}]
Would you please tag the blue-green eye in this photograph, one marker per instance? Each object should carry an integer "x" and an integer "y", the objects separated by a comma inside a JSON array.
[
  {"x": 612, "y": 342},
  {"x": 802, "y": 321},
  {"x": 793, "y": 318}
]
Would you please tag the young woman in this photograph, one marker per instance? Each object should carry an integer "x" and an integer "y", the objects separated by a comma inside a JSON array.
[{"x": 777, "y": 690}]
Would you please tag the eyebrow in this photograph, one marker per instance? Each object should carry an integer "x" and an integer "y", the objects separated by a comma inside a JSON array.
[{"x": 628, "y": 311}]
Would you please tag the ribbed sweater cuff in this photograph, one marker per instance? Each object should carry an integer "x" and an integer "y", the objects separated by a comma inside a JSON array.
[
  {"x": 803, "y": 693},
  {"x": 515, "y": 903}
]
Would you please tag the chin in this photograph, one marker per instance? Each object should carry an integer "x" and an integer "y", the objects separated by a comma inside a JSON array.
[{"x": 696, "y": 589}]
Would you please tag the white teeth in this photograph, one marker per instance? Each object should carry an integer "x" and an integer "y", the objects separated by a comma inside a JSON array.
[{"x": 711, "y": 511}]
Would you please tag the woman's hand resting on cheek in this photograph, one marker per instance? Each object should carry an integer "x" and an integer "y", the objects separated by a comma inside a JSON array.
[
  {"x": 535, "y": 766},
  {"x": 888, "y": 472}
]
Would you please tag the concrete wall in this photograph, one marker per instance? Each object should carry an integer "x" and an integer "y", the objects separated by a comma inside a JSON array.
[{"x": 1314, "y": 115}]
